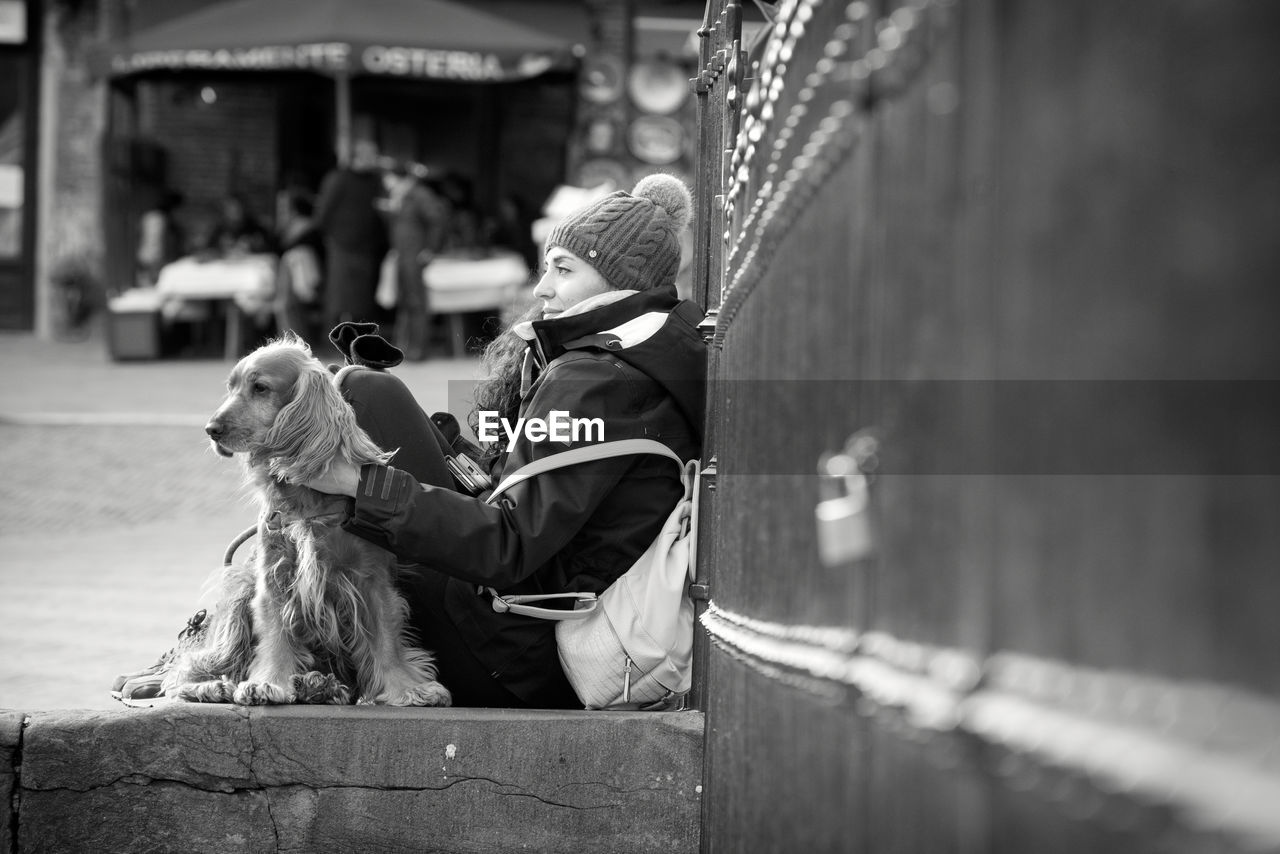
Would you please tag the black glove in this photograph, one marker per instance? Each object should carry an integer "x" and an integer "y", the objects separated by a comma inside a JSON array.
[
  {"x": 360, "y": 344},
  {"x": 344, "y": 333}
]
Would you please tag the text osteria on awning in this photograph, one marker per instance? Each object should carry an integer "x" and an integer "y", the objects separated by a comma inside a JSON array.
[{"x": 336, "y": 57}]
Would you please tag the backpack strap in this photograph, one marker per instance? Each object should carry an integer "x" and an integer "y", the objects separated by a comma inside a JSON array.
[
  {"x": 585, "y": 603},
  {"x": 587, "y": 453}
]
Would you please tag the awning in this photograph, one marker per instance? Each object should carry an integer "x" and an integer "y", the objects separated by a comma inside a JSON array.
[{"x": 431, "y": 39}]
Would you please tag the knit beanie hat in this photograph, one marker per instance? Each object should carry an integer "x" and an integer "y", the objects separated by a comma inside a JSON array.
[{"x": 632, "y": 239}]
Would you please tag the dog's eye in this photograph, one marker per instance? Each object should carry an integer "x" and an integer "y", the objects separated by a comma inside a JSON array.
[{"x": 260, "y": 387}]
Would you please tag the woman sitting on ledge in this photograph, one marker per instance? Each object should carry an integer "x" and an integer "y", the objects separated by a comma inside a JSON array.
[{"x": 610, "y": 340}]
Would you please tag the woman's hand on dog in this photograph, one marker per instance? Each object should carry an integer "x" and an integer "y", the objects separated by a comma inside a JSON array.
[{"x": 341, "y": 478}]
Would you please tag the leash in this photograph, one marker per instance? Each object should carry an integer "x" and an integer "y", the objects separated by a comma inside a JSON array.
[{"x": 229, "y": 556}]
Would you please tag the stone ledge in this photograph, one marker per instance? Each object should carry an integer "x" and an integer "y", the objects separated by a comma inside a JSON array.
[
  {"x": 357, "y": 778},
  {"x": 10, "y": 745}
]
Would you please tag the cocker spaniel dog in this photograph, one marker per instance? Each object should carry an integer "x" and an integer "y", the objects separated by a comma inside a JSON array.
[{"x": 313, "y": 616}]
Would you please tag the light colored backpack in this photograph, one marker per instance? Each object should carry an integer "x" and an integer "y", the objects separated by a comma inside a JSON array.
[{"x": 631, "y": 647}]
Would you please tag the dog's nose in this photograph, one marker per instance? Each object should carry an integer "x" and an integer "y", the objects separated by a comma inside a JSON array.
[{"x": 214, "y": 429}]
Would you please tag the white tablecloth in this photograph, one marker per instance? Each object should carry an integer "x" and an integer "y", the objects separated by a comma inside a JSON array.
[
  {"x": 466, "y": 282},
  {"x": 249, "y": 281}
]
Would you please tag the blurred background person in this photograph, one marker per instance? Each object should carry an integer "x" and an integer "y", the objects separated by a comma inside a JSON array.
[
  {"x": 160, "y": 237},
  {"x": 355, "y": 238},
  {"x": 300, "y": 274},
  {"x": 464, "y": 215},
  {"x": 237, "y": 232},
  {"x": 420, "y": 219},
  {"x": 512, "y": 228}
]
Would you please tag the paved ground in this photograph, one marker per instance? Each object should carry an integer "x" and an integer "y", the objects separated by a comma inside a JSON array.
[{"x": 113, "y": 511}]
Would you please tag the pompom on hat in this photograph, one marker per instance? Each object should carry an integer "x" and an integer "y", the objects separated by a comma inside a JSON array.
[{"x": 632, "y": 239}]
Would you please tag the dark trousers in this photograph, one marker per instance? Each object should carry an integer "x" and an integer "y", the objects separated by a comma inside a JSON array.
[
  {"x": 413, "y": 317},
  {"x": 351, "y": 280},
  {"x": 303, "y": 318},
  {"x": 388, "y": 412}
]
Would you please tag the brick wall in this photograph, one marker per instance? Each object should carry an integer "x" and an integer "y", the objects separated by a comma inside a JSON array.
[
  {"x": 532, "y": 145},
  {"x": 219, "y": 138}
]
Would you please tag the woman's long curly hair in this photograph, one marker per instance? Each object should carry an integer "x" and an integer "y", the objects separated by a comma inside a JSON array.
[{"x": 499, "y": 391}]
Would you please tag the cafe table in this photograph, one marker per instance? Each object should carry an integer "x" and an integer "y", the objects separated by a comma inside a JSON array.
[
  {"x": 237, "y": 286},
  {"x": 472, "y": 280}
]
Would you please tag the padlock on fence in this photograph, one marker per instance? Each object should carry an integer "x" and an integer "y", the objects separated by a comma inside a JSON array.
[{"x": 845, "y": 532}]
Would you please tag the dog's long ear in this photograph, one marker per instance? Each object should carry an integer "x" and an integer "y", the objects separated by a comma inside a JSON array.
[{"x": 316, "y": 426}]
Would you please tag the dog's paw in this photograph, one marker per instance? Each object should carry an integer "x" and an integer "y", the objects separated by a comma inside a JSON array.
[
  {"x": 261, "y": 694},
  {"x": 317, "y": 687},
  {"x": 215, "y": 691},
  {"x": 424, "y": 694}
]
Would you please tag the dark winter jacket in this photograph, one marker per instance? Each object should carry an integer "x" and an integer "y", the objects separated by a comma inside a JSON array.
[
  {"x": 638, "y": 364},
  {"x": 420, "y": 224},
  {"x": 346, "y": 212}
]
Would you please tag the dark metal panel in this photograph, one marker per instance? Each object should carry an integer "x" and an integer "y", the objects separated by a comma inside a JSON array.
[
  {"x": 800, "y": 789},
  {"x": 1128, "y": 223},
  {"x": 720, "y": 29},
  {"x": 947, "y": 221}
]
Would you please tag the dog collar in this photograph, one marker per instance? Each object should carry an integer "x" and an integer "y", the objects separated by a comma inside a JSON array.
[{"x": 276, "y": 520}]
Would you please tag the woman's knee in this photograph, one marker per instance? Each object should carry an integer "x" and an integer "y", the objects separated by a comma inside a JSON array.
[
  {"x": 387, "y": 410},
  {"x": 376, "y": 390}
]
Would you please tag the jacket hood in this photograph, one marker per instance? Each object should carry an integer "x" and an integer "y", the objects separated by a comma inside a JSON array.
[{"x": 654, "y": 331}]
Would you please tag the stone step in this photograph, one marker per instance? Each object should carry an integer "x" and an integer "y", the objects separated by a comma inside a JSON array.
[{"x": 195, "y": 778}]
